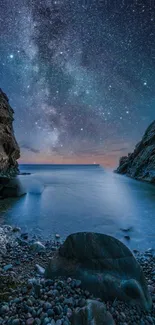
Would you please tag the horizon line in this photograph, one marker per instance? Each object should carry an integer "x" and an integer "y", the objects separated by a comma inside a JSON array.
[{"x": 58, "y": 164}]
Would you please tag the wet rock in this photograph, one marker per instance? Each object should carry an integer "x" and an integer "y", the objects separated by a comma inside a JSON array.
[
  {"x": 16, "y": 229},
  {"x": 4, "y": 309},
  {"x": 47, "y": 306},
  {"x": 127, "y": 237},
  {"x": 37, "y": 247},
  {"x": 8, "y": 267},
  {"x": 15, "y": 322},
  {"x": 39, "y": 269},
  {"x": 101, "y": 262},
  {"x": 24, "y": 236},
  {"x": 52, "y": 322},
  {"x": 127, "y": 229},
  {"x": 93, "y": 313},
  {"x": 22, "y": 242},
  {"x": 30, "y": 321}
]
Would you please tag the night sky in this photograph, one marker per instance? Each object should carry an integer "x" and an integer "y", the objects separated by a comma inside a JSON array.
[{"x": 80, "y": 76}]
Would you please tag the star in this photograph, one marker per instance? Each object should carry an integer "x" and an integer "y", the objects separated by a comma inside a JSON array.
[{"x": 77, "y": 77}]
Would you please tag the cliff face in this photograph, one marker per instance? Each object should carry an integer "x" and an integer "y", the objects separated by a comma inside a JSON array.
[
  {"x": 9, "y": 150},
  {"x": 141, "y": 163}
]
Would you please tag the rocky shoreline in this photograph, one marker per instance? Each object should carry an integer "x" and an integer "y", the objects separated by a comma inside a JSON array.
[{"x": 27, "y": 298}]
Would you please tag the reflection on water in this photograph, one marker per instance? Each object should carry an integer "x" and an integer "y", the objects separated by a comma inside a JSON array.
[{"x": 69, "y": 199}]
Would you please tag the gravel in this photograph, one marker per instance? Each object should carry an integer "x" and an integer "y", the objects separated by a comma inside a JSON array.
[{"x": 26, "y": 298}]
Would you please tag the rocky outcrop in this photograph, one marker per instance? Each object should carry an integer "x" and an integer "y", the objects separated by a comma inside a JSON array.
[
  {"x": 9, "y": 150},
  {"x": 105, "y": 266},
  {"x": 141, "y": 163}
]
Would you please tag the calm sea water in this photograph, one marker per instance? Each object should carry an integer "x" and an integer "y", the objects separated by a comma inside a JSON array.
[{"x": 67, "y": 199}]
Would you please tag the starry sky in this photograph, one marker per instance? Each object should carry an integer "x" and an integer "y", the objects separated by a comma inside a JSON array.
[{"x": 80, "y": 76}]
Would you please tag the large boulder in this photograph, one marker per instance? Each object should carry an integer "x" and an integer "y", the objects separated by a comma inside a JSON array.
[
  {"x": 93, "y": 313},
  {"x": 9, "y": 149},
  {"x": 105, "y": 266},
  {"x": 141, "y": 163}
]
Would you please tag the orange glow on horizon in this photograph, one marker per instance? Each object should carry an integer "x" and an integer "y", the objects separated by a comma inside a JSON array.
[{"x": 110, "y": 160}]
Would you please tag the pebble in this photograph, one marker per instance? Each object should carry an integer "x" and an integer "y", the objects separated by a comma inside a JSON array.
[
  {"x": 37, "y": 247},
  {"x": 16, "y": 229},
  {"x": 40, "y": 269},
  {"x": 47, "y": 306},
  {"x": 59, "y": 322},
  {"x": 15, "y": 322},
  {"x": 52, "y": 322},
  {"x": 24, "y": 236},
  {"x": 8, "y": 267},
  {"x": 127, "y": 237},
  {"x": 30, "y": 321},
  {"x": 4, "y": 309}
]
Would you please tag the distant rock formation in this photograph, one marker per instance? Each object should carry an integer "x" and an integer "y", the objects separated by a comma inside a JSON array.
[
  {"x": 9, "y": 150},
  {"x": 141, "y": 163}
]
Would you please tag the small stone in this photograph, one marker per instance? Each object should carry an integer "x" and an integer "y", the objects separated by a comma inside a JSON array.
[
  {"x": 122, "y": 315},
  {"x": 29, "y": 302},
  {"x": 4, "y": 309},
  {"x": 30, "y": 321},
  {"x": 77, "y": 283},
  {"x": 37, "y": 321},
  {"x": 46, "y": 321},
  {"x": 15, "y": 322},
  {"x": 82, "y": 302},
  {"x": 50, "y": 312},
  {"x": 32, "y": 282},
  {"x": 39, "y": 269},
  {"x": 22, "y": 242},
  {"x": 69, "y": 301},
  {"x": 16, "y": 229},
  {"x": 69, "y": 312},
  {"x": 127, "y": 237},
  {"x": 37, "y": 247},
  {"x": 17, "y": 300},
  {"x": 48, "y": 283},
  {"x": 59, "y": 322},
  {"x": 56, "y": 310},
  {"x": 24, "y": 236},
  {"x": 52, "y": 322},
  {"x": 149, "y": 319},
  {"x": 47, "y": 306},
  {"x": 8, "y": 267},
  {"x": 37, "y": 289}
]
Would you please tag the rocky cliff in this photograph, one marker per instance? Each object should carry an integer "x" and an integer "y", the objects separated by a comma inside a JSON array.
[
  {"x": 9, "y": 150},
  {"x": 141, "y": 163}
]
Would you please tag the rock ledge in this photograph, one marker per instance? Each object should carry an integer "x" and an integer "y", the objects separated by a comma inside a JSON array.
[{"x": 141, "y": 163}]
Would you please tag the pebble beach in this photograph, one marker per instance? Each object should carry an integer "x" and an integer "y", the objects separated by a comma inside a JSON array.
[{"x": 27, "y": 298}]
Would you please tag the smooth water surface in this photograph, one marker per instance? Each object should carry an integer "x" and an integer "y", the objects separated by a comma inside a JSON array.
[{"x": 67, "y": 199}]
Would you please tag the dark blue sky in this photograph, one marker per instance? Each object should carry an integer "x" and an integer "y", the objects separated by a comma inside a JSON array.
[{"x": 80, "y": 76}]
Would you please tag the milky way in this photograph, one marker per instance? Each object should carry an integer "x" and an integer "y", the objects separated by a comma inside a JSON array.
[{"x": 80, "y": 76}]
